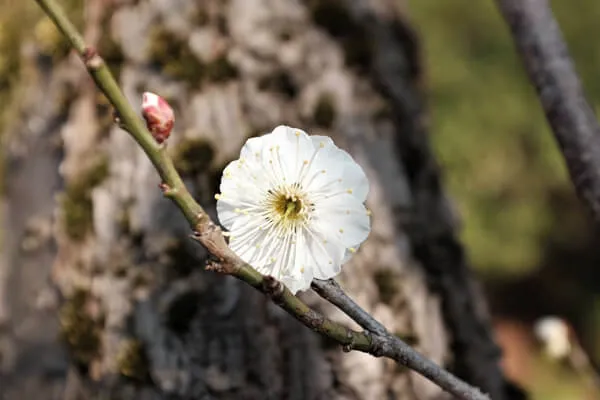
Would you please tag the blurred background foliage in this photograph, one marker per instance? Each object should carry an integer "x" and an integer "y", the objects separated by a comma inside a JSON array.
[
  {"x": 526, "y": 234},
  {"x": 500, "y": 160}
]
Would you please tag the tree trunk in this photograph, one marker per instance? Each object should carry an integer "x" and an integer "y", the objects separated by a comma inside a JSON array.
[{"x": 97, "y": 257}]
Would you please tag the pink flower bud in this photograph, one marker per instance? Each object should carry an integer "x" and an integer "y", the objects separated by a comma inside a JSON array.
[{"x": 159, "y": 116}]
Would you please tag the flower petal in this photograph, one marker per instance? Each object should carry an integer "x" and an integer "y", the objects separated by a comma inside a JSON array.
[
  {"x": 324, "y": 254},
  {"x": 288, "y": 150},
  {"x": 346, "y": 175},
  {"x": 343, "y": 218}
]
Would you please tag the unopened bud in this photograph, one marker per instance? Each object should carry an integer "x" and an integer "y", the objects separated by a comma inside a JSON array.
[{"x": 159, "y": 116}]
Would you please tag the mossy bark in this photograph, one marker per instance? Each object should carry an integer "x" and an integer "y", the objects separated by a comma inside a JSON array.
[{"x": 140, "y": 316}]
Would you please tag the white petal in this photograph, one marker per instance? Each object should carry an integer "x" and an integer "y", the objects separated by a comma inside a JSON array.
[
  {"x": 241, "y": 193},
  {"x": 338, "y": 172},
  {"x": 300, "y": 275},
  {"x": 257, "y": 247},
  {"x": 288, "y": 151},
  {"x": 355, "y": 178},
  {"x": 342, "y": 217},
  {"x": 253, "y": 147},
  {"x": 321, "y": 141},
  {"x": 324, "y": 254}
]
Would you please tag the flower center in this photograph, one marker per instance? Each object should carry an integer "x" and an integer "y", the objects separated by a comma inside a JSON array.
[{"x": 288, "y": 206}]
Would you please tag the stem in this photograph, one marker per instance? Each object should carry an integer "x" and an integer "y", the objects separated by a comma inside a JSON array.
[
  {"x": 332, "y": 292},
  {"x": 129, "y": 119},
  {"x": 378, "y": 342}
]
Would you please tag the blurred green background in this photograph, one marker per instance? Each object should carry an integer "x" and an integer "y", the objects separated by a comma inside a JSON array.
[{"x": 527, "y": 235}]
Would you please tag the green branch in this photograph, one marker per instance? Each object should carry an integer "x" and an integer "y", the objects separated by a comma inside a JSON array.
[{"x": 377, "y": 343}]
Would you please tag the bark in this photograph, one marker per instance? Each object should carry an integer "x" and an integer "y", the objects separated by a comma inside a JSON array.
[{"x": 111, "y": 270}]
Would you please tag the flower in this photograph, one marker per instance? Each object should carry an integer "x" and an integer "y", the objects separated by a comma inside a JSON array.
[
  {"x": 159, "y": 116},
  {"x": 293, "y": 205},
  {"x": 553, "y": 332}
]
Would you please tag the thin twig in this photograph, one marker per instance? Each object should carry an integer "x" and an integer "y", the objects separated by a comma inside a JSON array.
[
  {"x": 551, "y": 70},
  {"x": 391, "y": 345},
  {"x": 211, "y": 237},
  {"x": 332, "y": 292}
]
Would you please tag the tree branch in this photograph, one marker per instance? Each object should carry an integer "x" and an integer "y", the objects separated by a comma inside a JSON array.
[
  {"x": 375, "y": 340},
  {"x": 390, "y": 345},
  {"x": 333, "y": 293},
  {"x": 551, "y": 70}
]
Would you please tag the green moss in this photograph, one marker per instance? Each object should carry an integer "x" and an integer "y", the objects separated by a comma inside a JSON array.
[
  {"x": 76, "y": 201},
  {"x": 13, "y": 21},
  {"x": 132, "y": 361},
  {"x": 200, "y": 17},
  {"x": 174, "y": 57},
  {"x": 333, "y": 16},
  {"x": 78, "y": 329},
  {"x": 387, "y": 285},
  {"x": 220, "y": 70},
  {"x": 324, "y": 113},
  {"x": 193, "y": 156},
  {"x": 50, "y": 41},
  {"x": 124, "y": 221}
]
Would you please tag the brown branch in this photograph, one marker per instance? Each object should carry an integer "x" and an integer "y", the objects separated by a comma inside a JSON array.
[{"x": 546, "y": 58}]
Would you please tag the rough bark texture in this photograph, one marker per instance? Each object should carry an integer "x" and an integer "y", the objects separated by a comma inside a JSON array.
[{"x": 96, "y": 255}]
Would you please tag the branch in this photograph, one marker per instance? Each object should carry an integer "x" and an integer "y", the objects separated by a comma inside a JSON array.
[
  {"x": 333, "y": 293},
  {"x": 375, "y": 341},
  {"x": 551, "y": 70},
  {"x": 391, "y": 345}
]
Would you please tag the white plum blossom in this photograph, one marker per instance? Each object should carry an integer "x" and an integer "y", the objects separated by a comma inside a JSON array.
[{"x": 294, "y": 206}]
